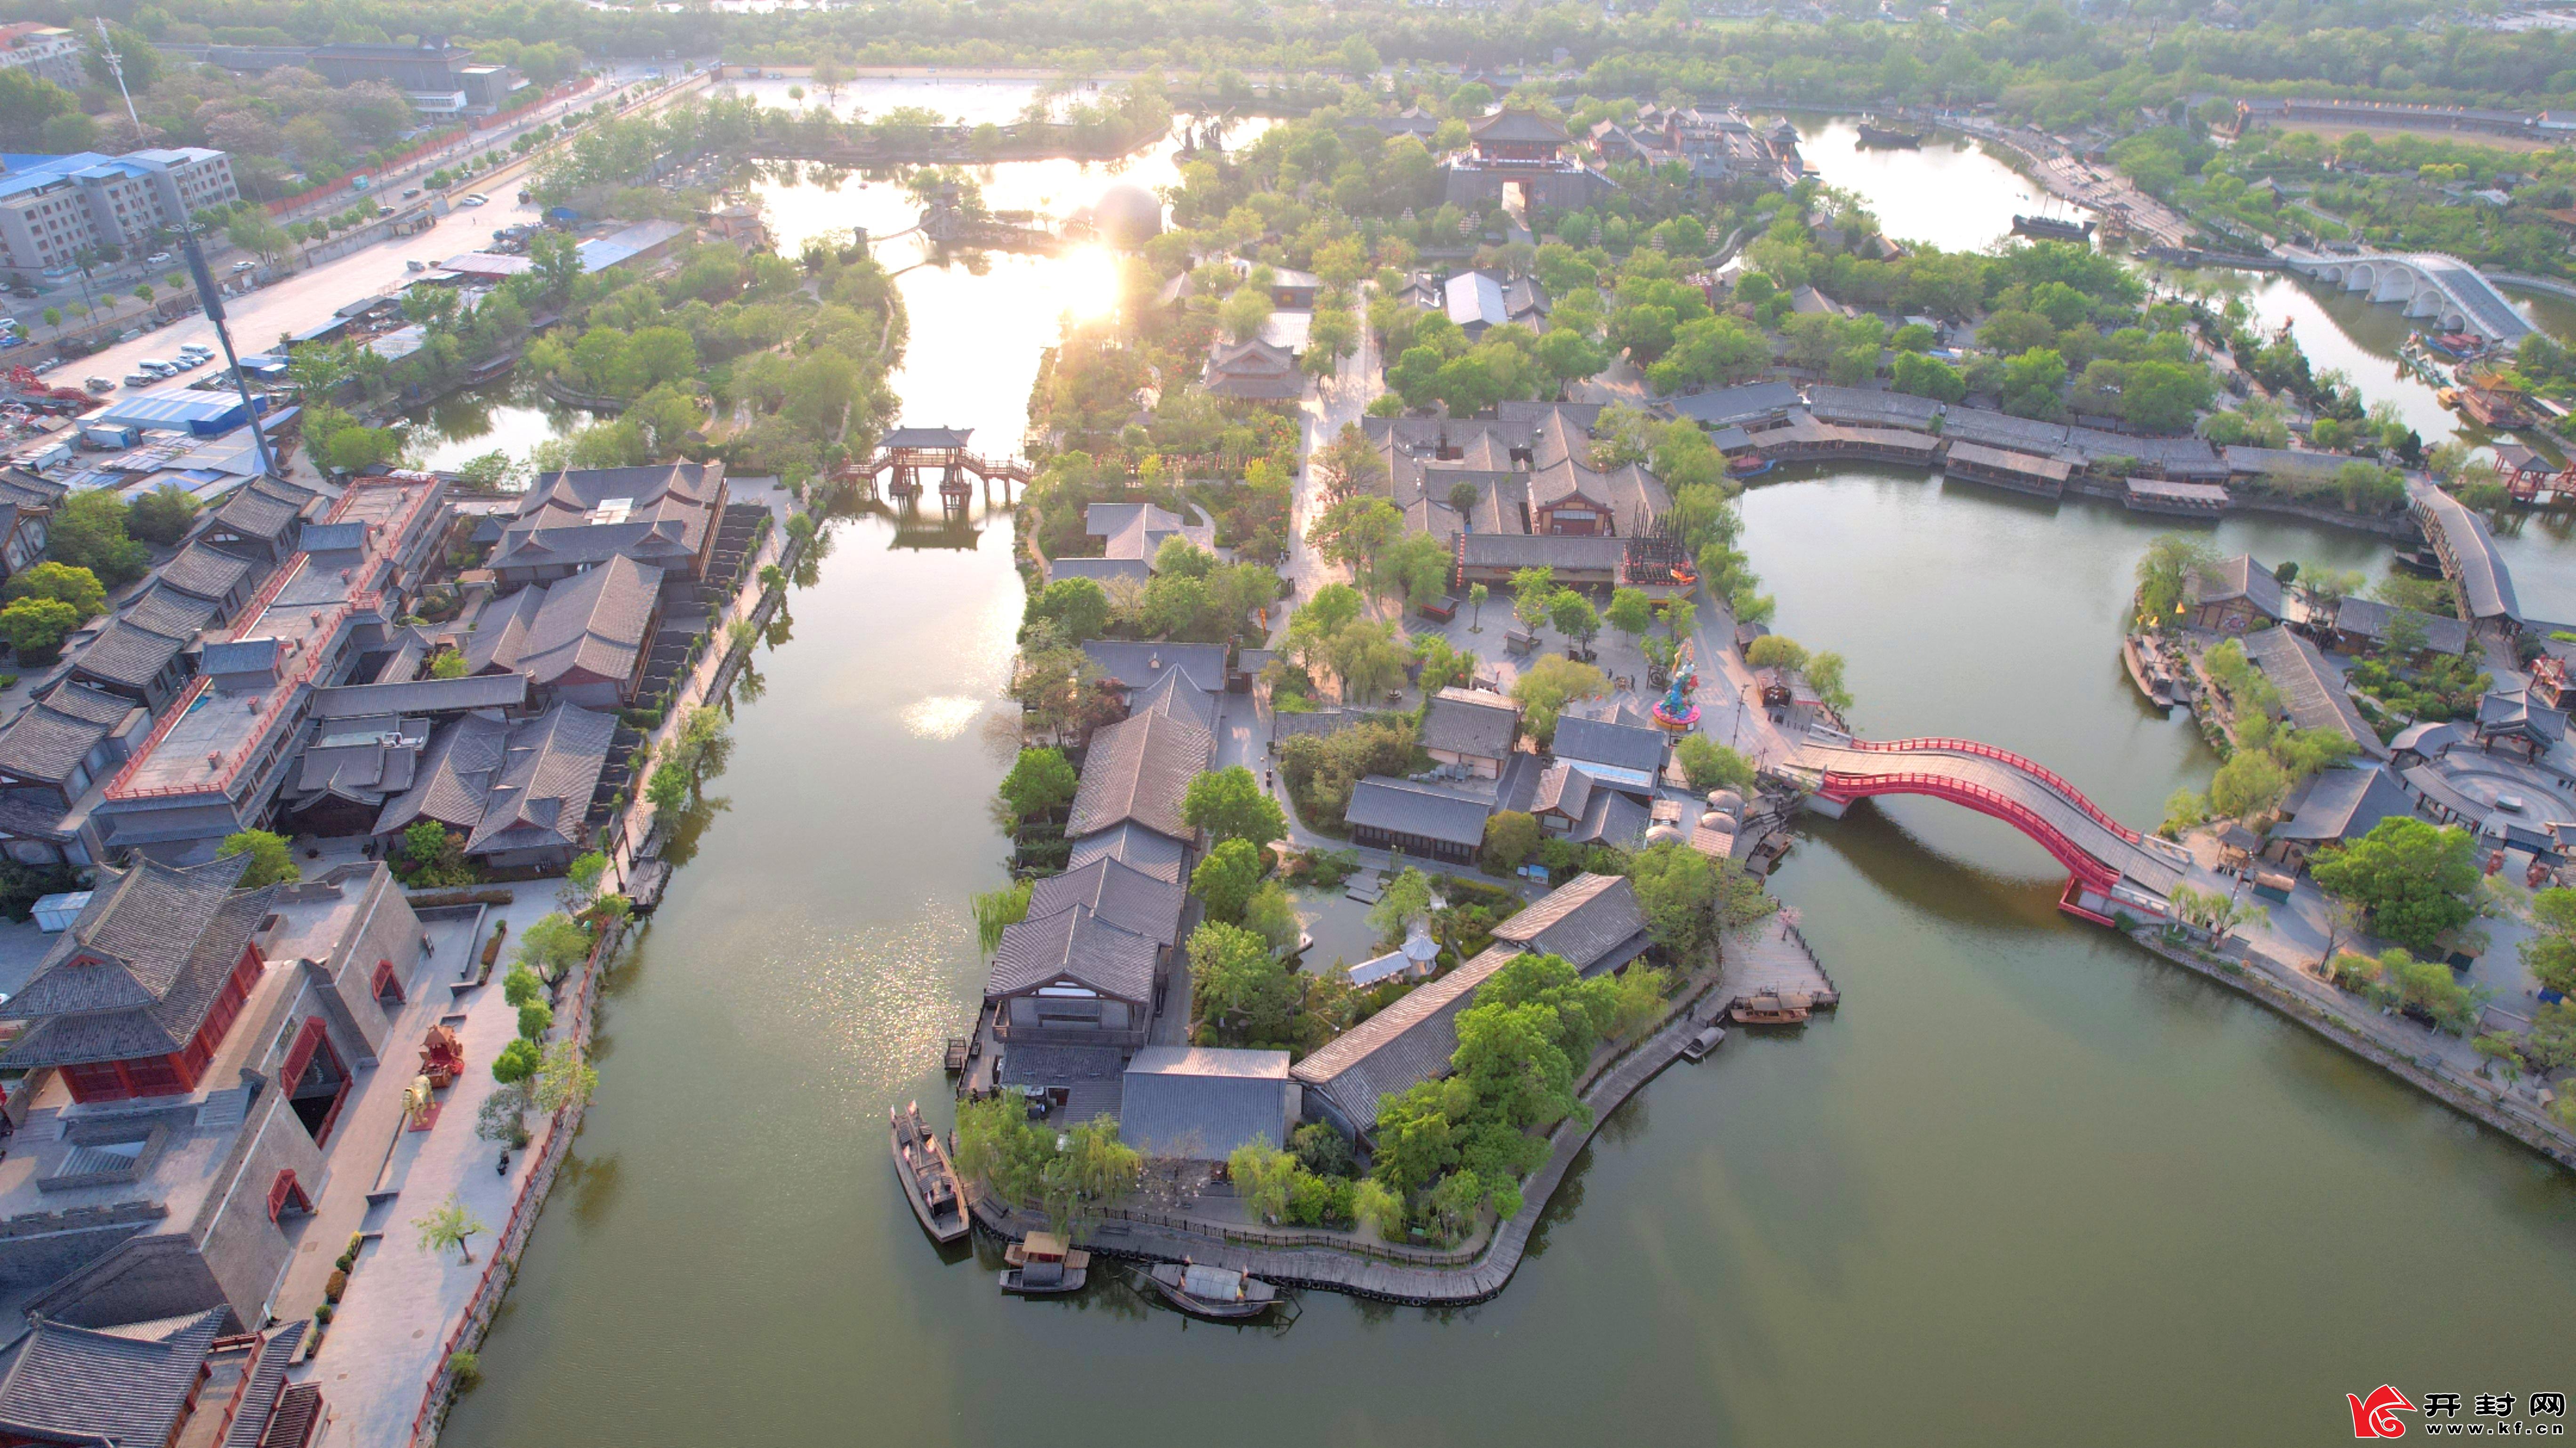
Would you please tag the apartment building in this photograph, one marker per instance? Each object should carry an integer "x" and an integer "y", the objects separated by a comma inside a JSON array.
[{"x": 54, "y": 207}]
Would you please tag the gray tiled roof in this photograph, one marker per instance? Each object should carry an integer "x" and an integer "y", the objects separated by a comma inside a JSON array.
[
  {"x": 1409, "y": 1042},
  {"x": 263, "y": 1398},
  {"x": 1175, "y": 694},
  {"x": 1619, "y": 746},
  {"x": 1562, "y": 790},
  {"x": 1118, "y": 894},
  {"x": 2238, "y": 577},
  {"x": 1139, "y": 769},
  {"x": 1074, "y": 943},
  {"x": 263, "y": 508},
  {"x": 204, "y": 572},
  {"x": 668, "y": 509},
  {"x": 421, "y": 696},
  {"x": 2343, "y": 803},
  {"x": 1542, "y": 550},
  {"x": 1099, "y": 570},
  {"x": 1201, "y": 1102},
  {"x": 1612, "y": 818},
  {"x": 58, "y": 731},
  {"x": 2370, "y": 618},
  {"x": 2299, "y": 466},
  {"x": 1403, "y": 807},
  {"x": 78, "y": 1385},
  {"x": 1585, "y": 920},
  {"x": 1734, "y": 405},
  {"x": 1871, "y": 405},
  {"x": 517, "y": 786},
  {"x": 1471, "y": 721},
  {"x": 137, "y": 972},
  {"x": 1136, "y": 664},
  {"x": 141, "y": 642},
  {"x": 1136, "y": 847},
  {"x": 594, "y": 621},
  {"x": 2311, "y": 689}
]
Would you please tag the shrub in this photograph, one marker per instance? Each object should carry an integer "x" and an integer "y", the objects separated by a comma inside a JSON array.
[{"x": 535, "y": 1019}]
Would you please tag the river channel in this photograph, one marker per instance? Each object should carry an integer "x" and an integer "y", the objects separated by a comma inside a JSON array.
[{"x": 2029, "y": 1186}]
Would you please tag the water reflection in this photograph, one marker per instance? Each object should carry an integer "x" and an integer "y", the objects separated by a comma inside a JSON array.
[{"x": 1949, "y": 193}]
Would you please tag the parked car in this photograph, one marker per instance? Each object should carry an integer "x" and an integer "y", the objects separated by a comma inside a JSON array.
[
  {"x": 243, "y": 266},
  {"x": 195, "y": 349},
  {"x": 410, "y": 192},
  {"x": 21, "y": 289},
  {"x": 140, "y": 379},
  {"x": 384, "y": 211},
  {"x": 158, "y": 258},
  {"x": 155, "y": 366},
  {"x": 102, "y": 386},
  {"x": 474, "y": 198}
]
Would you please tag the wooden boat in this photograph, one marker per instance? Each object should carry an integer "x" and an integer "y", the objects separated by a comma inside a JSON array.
[
  {"x": 929, "y": 1182},
  {"x": 1874, "y": 134},
  {"x": 1218, "y": 1293},
  {"x": 1698, "y": 1047},
  {"x": 1768, "y": 1009},
  {"x": 2420, "y": 560},
  {"x": 1043, "y": 1266},
  {"x": 2147, "y": 672},
  {"x": 1750, "y": 466},
  {"x": 2050, "y": 228}
]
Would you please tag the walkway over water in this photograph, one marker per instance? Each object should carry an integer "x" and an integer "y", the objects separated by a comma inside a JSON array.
[
  {"x": 2456, "y": 296},
  {"x": 2100, "y": 853}
]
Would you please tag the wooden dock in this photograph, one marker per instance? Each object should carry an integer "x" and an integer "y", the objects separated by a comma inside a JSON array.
[
  {"x": 1362, "y": 1269},
  {"x": 1770, "y": 957}
]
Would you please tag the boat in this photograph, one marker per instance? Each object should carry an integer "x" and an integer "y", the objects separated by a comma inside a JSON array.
[
  {"x": 2420, "y": 560},
  {"x": 1750, "y": 466},
  {"x": 1874, "y": 134},
  {"x": 929, "y": 1182},
  {"x": 2458, "y": 346},
  {"x": 2147, "y": 672},
  {"x": 1041, "y": 1265},
  {"x": 1698, "y": 1047},
  {"x": 1218, "y": 1293},
  {"x": 2050, "y": 228},
  {"x": 1785, "y": 1008}
]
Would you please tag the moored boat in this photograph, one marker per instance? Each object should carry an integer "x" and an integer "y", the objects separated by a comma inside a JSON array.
[
  {"x": 1041, "y": 1265},
  {"x": 2147, "y": 672},
  {"x": 1786, "y": 1008},
  {"x": 929, "y": 1182},
  {"x": 1219, "y": 1293},
  {"x": 2050, "y": 228},
  {"x": 1698, "y": 1046},
  {"x": 1874, "y": 134}
]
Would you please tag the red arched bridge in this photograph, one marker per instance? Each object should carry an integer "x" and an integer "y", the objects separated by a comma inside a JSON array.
[{"x": 2110, "y": 864}]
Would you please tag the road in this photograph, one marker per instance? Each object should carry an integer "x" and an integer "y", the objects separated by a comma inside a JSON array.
[{"x": 307, "y": 298}]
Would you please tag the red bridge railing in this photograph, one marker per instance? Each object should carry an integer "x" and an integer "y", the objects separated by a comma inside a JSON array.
[
  {"x": 2028, "y": 766},
  {"x": 2100, "y": 874}
]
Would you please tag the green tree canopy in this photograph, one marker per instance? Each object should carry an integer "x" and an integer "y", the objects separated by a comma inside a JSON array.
[
  {"x": 272, "y": 862},
  {"x": 1229, "y": 804},
  {"x": 2415, "y": 879}
]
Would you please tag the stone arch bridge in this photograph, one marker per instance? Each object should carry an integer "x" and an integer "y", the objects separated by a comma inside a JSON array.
[{"x": 2444, "y": 290}]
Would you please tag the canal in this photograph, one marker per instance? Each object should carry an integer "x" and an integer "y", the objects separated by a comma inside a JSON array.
[{"x": 2029, "y": 1185}]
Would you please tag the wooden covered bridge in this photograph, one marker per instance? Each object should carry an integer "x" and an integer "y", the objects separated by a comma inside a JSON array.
[
  {"x": 909, "y": 459},
  {"x": 2112, "y": 868}
]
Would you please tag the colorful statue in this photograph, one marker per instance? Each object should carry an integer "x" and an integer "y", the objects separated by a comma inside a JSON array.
[{"x": 1677, "y": 712}]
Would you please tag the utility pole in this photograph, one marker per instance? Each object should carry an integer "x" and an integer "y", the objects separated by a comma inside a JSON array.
[{"x": 207, "y": 296}]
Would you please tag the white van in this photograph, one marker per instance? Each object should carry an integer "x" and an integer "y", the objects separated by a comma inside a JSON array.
[
  {"x": 155, "y": 366},
  {"x": 195, "y": 349}
]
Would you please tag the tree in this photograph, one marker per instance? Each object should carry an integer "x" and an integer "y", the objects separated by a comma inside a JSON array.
[
  {"x": 1244, "y": 312},
  {"x": 1777, "y": 651},
  {"x": 1404, "y": 907},
  {"x": 1262, "y": 1176},
  {"x": 1711, "y": 765},
  {"x": 1229, "y": 804},
  {"x": 1511, "y": 837},
  {"x": 517, "y": 1062},
  {"x": 1477, "y": 593},
  {"x": 1533, "y": 591},
  {"x": 1272, "y": 916},
  {"x": 553, "y": 946},
  {"x": 535, "y": 1019},
  {"x": 1040, "y": 782},
  {"x": 2249, "y": 783},
  {"x": 1677, "y": 889},
  {"x": 1226, "y": 879},
  {"x": 565, "y": 1079},
  {"x": 272, "y": 862},
  {"x": 1630, "y": 612},
  {"x": 447, "y": 1225},
  {"x": 1825, "y": 675},
  {"x": 1574, "y": 617},
  {"x": 998, "y": 910},
  {"x": 88, "y": 531},
  {"x": 1546, "y": 687},
  {"x": 35, "y": 627},
  {"x": 2551, "y": 951},
  {"x": 1354, "y": 530},
  {"x": 1349, "y": 464},
  {"x": 61, "y": 583},
  {"x": 2414, "y": 878},
  {"x": 1239, "y": 993},
  {"x": 2165, "y": 572}
]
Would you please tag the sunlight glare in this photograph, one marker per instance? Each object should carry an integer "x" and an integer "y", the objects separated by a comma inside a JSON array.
[{"x": 1089, "y": 285}]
